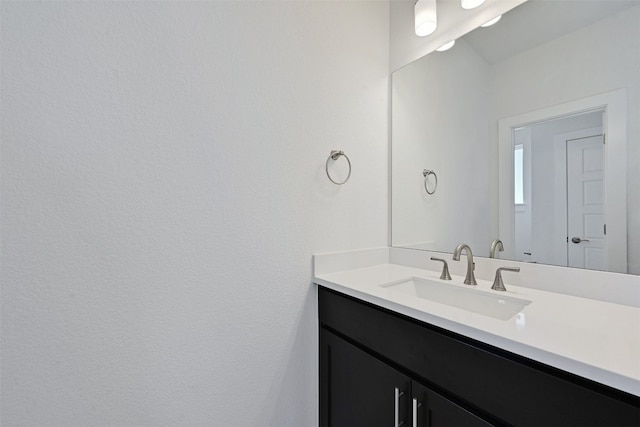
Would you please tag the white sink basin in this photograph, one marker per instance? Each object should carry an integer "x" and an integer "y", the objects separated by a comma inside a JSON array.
[{"x": 460, "y": 296}]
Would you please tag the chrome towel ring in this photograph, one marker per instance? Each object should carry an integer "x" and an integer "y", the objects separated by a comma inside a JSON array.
[
  {"x": 335, "y": 155},
  {"x": 426, "y": 173}
]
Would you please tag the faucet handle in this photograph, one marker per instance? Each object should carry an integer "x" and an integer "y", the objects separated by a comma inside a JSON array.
[
  {"x": 445, "y": 269},
  {"x": 498, "y": 284}
]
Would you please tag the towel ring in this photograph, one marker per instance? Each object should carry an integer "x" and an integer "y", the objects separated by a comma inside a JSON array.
[
  {"x": 335, "y": 155},
  {"x": 426, "y": 174}
]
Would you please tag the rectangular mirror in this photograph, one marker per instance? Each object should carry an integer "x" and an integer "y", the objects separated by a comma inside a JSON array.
[{"x": 526, "y": 131}]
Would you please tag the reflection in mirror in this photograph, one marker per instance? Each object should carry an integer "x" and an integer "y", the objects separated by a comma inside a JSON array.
[
  {"x": 563, "y": 215},
  {"x": 536, "y": 102},
  {"x": 549, "y": 156}
]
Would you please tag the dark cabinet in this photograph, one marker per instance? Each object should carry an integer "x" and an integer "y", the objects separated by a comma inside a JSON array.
[
  {"x": 378, "y": 367},
  {"x": 358, "y": 389},
  {"x": 433, "y": 410}
]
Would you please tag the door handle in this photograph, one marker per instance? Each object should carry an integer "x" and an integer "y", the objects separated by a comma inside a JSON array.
[{"x": 578, "y": 240}]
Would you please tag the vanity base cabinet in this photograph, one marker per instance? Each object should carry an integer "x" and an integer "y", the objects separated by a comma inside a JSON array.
[
  {"x": 367, "y": 351},
  {"x": 358, "y": 389}
]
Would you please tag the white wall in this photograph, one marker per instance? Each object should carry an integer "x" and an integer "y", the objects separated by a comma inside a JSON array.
[
  {"x": 611, "y": 62},
  {"x": 163, "y": 190}
]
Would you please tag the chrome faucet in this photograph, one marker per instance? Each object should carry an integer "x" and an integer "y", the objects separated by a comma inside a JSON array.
[
  {"x": 496, "y": 244},
  {"x": 469, "y": 279}
]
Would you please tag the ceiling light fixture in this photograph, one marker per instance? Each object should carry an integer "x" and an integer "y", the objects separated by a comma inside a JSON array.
[
  {"x": 491, "y": 22},
  {"x": 446, "y": 46},
  {"x": 426, "y": 19},
  {"x": 470, "y": 4}
]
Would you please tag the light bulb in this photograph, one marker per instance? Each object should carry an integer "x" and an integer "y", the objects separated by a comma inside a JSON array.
[
  {"x": 470, "y": 4},
  {"x": 446, "y": 46},
  {"x": 426, "y": 20},
  {"x": 491, "y": 22}
]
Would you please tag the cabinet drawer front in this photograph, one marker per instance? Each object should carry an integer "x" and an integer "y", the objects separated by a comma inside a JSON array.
[{"x": 511, "y": 388}]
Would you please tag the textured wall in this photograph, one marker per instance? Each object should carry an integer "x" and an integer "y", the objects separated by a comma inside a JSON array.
[{"x": 163, "y": 190}]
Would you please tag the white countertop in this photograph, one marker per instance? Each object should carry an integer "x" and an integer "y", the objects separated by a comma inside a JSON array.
[{"x": 593, "y": 339}]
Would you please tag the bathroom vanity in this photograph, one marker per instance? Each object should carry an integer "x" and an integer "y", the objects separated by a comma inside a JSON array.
[{"x": 390, "y": 358}]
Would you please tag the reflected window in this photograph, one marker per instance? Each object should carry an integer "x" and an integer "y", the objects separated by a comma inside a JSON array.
[{"x": 518, "y": 178}]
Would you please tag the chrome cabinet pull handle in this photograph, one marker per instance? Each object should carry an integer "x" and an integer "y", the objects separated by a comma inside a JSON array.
[
  {"x": 415, "y": 413},
  {"x": 416, "y": 405},
  {"x": 398, "y": 394}
]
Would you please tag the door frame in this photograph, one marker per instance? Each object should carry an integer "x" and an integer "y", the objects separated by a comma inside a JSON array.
[{"x": 614, "y": 103}]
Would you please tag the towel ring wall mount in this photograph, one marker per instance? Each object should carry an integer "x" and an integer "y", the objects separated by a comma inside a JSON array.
[
  {"x": 335, "y": 155},
  {"x": 427, "y": 173}
]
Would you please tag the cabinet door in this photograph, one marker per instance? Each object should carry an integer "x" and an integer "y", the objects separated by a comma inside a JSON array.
[
  {"x": 356, "y": 389},
  {"x": 430, "y": 409}
]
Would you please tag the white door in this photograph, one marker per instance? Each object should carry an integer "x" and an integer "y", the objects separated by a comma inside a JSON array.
[{"x": 585, "y": 203}]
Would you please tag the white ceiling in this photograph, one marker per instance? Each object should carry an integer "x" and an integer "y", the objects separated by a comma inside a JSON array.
[{"x": 538, "y": 21}]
